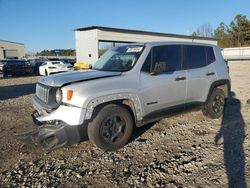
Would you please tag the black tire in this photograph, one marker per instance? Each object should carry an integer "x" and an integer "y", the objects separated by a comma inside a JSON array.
[
  {"x": 214, "y": 108},
  {"x": 46, "y": 73},
  {"x": 112, "y": 128}
]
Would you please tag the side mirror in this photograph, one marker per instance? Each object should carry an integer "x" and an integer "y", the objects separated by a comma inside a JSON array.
[{"x": 159, "y": 68}]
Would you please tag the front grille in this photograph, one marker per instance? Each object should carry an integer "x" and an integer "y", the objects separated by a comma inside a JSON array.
[
  {"x": 42, "y": 93},
  {"x": 47, "y": 95}
]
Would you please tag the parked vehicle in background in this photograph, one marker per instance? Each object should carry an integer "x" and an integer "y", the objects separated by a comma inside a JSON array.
[
  {"x": 16, "y": 67},
  {"x": 1, "y": 66},
  {"x": 129, "y": 86},
  {"x": 52, "y": 67},
  {"x": 68, "y": 60},
  {"x": 36, "y": 63},
  {"x": 52, "y": 59}
]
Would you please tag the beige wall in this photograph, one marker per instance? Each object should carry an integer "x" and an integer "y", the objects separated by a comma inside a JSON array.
[
  {"x": 5, "y": 45},
  {"x": 1, "y": 53},
  {"x": 86, "y": 46},
  {"x": 236, "y": 52}
]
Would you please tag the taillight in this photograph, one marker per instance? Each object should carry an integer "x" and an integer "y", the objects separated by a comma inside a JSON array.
[{"x": 227, "y": 68}]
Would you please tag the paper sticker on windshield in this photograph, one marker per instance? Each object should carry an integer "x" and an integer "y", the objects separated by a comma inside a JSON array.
[{"x": 134, "y": 49}]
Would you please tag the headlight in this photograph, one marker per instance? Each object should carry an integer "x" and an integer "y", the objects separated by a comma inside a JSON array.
[{"x": 58, "y": 96}]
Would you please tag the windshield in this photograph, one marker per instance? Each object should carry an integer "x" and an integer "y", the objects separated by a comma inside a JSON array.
[{"x": 119, "y": 59}]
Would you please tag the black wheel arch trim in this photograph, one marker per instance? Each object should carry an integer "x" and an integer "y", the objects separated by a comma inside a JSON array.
[{"x": 218, "y": 83}]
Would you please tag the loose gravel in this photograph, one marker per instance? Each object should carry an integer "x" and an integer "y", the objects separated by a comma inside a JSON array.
[{"x": 182, "y": 150}]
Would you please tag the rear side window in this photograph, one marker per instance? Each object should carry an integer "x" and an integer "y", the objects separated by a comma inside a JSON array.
[
  {"x": 169, "y": 55},
  {"x": 210, "y": 55},
  {"x": 195, "y": 56}
]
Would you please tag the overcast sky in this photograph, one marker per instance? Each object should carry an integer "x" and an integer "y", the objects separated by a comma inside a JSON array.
[{"x": 49, "y": 24}]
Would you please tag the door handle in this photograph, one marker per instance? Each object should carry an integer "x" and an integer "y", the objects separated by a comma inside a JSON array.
[
  {"x": 180, "y": 78},
  {"x": 210, "y": 73}
]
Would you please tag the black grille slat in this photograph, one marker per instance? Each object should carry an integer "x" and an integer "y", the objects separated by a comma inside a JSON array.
[
  {"x": 42, "y": 93},
  {"x": 46, "y": 95}
]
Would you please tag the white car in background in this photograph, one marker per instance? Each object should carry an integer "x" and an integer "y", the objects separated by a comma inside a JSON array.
[{"x": 52, "y": 67}]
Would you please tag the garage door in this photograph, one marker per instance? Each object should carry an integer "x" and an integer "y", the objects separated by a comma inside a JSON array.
[{"x": 11, "y": 54}]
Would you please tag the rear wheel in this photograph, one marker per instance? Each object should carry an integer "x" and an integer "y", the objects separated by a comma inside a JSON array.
[
  {"x": 46, "y": 73},
  {"x": 112, "y": 128},
  {"x": 215, "y": 106}
]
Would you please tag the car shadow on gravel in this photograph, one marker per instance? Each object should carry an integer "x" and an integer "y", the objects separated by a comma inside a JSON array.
[
  {"x": 233, "y": 133},
  {"x": 139, "y": 131},
  {"x": 14, "y": 91}
]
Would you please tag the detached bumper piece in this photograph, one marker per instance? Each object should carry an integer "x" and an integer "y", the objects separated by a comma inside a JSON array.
[{"x": 52, "y": 136}]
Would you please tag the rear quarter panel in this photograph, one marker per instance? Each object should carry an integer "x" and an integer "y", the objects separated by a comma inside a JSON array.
[{"x": 220, "y": 65}]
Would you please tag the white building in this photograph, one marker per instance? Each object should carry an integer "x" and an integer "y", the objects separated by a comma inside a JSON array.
[
  {"x": 11, "y": 50},
  {"x": 236, "y": 54},
  {"x": 88, "y": 38}
]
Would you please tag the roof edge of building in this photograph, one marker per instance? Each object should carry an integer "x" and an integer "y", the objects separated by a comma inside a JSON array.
[
  {"x": 12, "y": 42},
  {"x": 141, "y": 32}
]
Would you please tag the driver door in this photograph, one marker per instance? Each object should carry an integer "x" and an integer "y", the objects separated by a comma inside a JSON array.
[{"x": 167, "y": 88}]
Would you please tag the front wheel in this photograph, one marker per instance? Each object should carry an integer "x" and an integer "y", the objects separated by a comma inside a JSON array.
[
  {"x": 112, "y": 128},
  {"x": 215, "y": 106}
]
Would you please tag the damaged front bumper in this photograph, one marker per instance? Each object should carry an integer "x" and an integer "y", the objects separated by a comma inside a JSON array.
[
  {"x": 53, "y": 134},
  {"x": 57, "y": 128}
]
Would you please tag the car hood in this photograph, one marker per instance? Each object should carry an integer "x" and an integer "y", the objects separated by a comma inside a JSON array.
[{"x": 60, "y": 79}]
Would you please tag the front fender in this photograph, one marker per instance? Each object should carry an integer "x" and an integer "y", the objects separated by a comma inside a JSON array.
[{"x": 135, "y": 100}]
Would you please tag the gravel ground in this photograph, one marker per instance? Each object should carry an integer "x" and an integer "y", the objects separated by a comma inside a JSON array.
[{"x": 183, "y": 150}]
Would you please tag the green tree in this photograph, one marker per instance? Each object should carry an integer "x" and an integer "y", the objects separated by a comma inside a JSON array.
[
  {"x": 221, "y": 33},
  {"x": 235, "y": 35},
  {"x": 64, "y": 52},
  {"x": 194, "y": 34},
  {"x": 240, "y": 31}
]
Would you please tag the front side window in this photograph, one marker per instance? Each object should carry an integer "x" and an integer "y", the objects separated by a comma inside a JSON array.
[
  {"x": 119, "y": 59},
  {"x": 195, "y": 56},
  {"x": 169, "y": 55},
  {"x": 147, "y": 64}
]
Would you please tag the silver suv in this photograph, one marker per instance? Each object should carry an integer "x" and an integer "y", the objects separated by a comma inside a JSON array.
[{"x": 129, "y": 86}]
